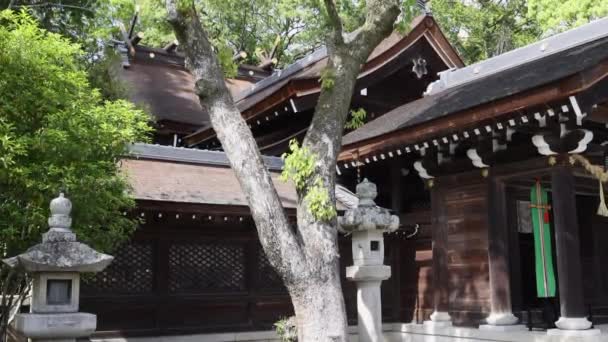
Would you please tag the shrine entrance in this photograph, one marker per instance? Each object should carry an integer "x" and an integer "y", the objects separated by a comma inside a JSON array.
[
  {"x": 543, "y": 312},
  {"x": 535, "y": 311}
]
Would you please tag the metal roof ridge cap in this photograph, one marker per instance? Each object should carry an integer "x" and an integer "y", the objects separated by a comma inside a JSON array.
[
  {"x": 276, "y": 76},
  {"x": 455, "y": 77},
  {"x": 147, "y": 151}
]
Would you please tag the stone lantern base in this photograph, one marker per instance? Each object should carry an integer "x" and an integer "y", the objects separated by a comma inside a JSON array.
[
  {"x": 43, "y": 327},
  {"x": 369, "y": 307}
]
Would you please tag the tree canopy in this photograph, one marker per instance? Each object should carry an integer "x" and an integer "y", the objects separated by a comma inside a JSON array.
[
  {"x": 288, "y": 29},
  {"x": 263, "y": 29},
  {"x": 56, "y": 133},
  {"x": 480, "y": 29},
  {"x": 560, "y": 15}
]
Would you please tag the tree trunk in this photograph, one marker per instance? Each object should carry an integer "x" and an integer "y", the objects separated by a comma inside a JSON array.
[
  {"x": 319, "y": 309},
  {"x": 306, "y": 258}
]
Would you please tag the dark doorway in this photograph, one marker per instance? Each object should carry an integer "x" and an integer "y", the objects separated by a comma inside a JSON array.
[{"x": 535, "y": 312}]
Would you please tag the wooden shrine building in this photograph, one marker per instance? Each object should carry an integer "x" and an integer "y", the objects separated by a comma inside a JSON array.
[
  {"x": 481, "y": 138},
  {"x": 195, "y": 264},
  {"x": 454, "y": 151}
]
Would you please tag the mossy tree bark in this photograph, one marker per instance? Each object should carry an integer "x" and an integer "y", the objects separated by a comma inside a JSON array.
[{"x": 306, "y": 257}]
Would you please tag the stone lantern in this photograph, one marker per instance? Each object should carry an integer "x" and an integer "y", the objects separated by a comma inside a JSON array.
[
  {"x": 367, "y": 223},
  {"x": 55, "y": 266}
]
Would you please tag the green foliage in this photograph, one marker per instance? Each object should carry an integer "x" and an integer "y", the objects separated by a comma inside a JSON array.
[
  {"x": 103, "y": 74},
  {"x": 9, "y": 148},
  {"x": 299, "y": 165},
  {"x": 286, "y": 329},
  {"x": 327, "y": 79},
  {"x": 289, "y": 28},
  {"x": 480, "y": 29},
  {"x": 559, "y": 15},
  {"x": 57, "y": 132},
  {"x": 318, "y": 201},
  {"x": 357, "y": 118},
  {"x": 74, "y": 19},
  {"x": 300, "y": 168}
]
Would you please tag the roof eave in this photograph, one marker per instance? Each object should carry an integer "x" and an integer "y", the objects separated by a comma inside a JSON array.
[{"x": 554, "y": 91}]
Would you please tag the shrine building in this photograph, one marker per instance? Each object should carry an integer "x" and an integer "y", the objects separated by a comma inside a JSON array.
[{"x": 489, "y": 167}]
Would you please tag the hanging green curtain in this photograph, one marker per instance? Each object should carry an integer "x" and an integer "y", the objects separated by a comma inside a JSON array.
[{"x": 545, "y": 272}]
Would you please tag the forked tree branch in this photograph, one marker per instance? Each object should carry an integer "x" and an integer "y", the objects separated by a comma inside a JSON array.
[
  {"x": 334, "y": 22},
  {"x": 346, "y": 58},
  {"x": 379, "y": 20},
  {"x": 276, "y": 236},
  {"x": 346, "y": 55}
]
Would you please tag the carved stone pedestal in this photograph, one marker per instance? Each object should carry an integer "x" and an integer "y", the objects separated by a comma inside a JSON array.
[{"x": 369, "y": 308}]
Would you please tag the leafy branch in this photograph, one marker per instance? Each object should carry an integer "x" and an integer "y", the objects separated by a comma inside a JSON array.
[
  {"x": 300, "y": 168},
  {"x": 357, "y": 118}
]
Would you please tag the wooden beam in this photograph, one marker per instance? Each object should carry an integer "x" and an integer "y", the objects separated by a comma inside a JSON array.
[
  {"x": 171, "y": 47},
  {"x": 126, "y": 38},
  {"x": 137, "y": 38},
  {"x": 195, "y": 208}
]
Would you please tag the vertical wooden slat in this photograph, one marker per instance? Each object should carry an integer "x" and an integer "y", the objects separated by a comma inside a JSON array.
[{"x": 162, "y": 282}]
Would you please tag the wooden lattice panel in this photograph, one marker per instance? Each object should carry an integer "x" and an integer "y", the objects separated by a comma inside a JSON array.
[
  {"x": 205, "y": 267},
  {"x": 131, "y": 272},
  {"x": 268, "y": 279}
]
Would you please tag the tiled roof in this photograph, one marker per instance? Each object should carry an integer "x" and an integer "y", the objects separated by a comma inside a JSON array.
[{"x": 181, "y": 175}]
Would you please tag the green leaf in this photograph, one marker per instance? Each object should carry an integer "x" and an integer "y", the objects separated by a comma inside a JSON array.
[{"x": 56, "y": 131}]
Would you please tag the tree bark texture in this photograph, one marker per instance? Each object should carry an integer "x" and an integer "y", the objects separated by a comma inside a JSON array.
[{"x": 306, "y": 257}]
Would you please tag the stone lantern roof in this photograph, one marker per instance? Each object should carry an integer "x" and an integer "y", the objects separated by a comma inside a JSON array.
[
  {"x": 367, "y": 215},
  {"x": 59, "y": 250}
]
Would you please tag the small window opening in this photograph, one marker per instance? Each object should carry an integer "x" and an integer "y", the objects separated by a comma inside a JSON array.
[
  {"x": 58, "y": 291},
  {"x": 374, "y": 245}
]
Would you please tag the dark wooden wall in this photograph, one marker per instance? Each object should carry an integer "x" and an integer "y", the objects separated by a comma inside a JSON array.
[
  {"x": 186, "y": 274},
  {"x": 467, "y": 220},
  {"x": 416, "y": 277}
]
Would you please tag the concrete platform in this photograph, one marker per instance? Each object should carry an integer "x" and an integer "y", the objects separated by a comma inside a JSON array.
[
  {"x": 418, "y": 333},
  {"x": 397, "y": 332},
  {"x": 503, "y": 328},
  {"x": 574, "y": 333},
  {"x": 437, "y": 325}
]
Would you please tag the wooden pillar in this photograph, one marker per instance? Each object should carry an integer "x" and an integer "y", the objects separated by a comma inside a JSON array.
[
  {"x": 395, "y": 247},
  {"x": 567, "y": 247},
  {"x": 396, "y": 187},
  {"x": 441, "y": 300},
  {"x": 498, "y": 256}
]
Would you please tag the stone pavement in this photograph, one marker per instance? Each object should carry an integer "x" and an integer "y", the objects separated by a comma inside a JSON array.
[
  {"x": 418, "y": 333},
  {"x": 392, "y": 333}
]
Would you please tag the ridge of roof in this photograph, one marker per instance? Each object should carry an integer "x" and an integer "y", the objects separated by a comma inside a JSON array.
[
  {"x": 191, "y": 155},
  {"x": 282, "y": 74},
  {"x": 551, "y": 45},
  {"x": 314, "y": 57}
]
